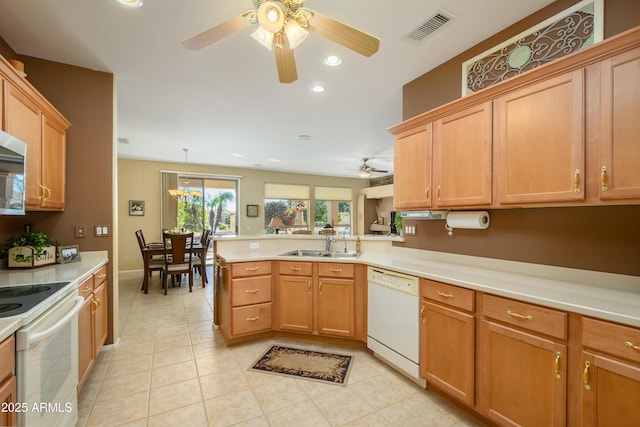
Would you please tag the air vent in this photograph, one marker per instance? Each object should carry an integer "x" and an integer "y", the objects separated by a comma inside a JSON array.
[
  {"x": 431, "y": 25},
  {"x": 123, "y": 140}
]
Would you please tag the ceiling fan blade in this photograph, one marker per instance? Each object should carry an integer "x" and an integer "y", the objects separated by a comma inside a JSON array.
[
  {"x": 343, "y": 34},
  {"x": 379, "y": 170},
  {"x": 285, "y": 59},
  {"x": 216, "y": 33}
]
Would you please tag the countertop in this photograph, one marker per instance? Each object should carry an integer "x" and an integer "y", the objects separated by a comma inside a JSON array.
[
  {"x": 608, "y": 296},
  {"x": 74, "y": 273}
]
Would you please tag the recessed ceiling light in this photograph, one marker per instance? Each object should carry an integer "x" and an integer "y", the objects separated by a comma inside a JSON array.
[
  {"x": 317, "y": 89},
  {"x": 333, "y": 61},
  {"x": 131, "y": 3},
  {"x": 304, "y": 137}
]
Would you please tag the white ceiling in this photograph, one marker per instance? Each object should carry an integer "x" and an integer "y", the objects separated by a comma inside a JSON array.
[{"x": 224, "y": 102}]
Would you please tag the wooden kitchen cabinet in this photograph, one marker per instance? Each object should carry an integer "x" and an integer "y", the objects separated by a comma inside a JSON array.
[
  {"x": 617, "y": 171},
  {"x": 295, "y": 301},
  {"x": 30, "y": 117},
  {"x": 610, "y": 374},
  {"x": 462, "y": 158},
  {"x": 412, "y": 169},
  {"x": 523, "y": 363},
  {"x": 336, "y": 299},
  {"x": 92, "y": 322},
  {"x": 8, "y": 381},
  {"x": 447, "y": 339},
  {"x": 540, "y": 142}
]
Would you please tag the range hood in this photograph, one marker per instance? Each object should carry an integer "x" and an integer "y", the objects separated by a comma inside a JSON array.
[{"x": 424, "y": 214}]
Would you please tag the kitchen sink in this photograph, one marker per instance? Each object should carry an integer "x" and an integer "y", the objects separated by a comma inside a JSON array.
[{"x": 313, "y": 253}]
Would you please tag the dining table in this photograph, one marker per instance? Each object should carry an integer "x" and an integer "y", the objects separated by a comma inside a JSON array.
[{"x": 153, "y": 249}]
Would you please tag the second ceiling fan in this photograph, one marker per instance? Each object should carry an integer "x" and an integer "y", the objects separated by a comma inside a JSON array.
[{"x": 283, "y": 25}]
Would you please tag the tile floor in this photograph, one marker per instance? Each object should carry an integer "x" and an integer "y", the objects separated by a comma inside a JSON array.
[{"x": 173, "y": 369}]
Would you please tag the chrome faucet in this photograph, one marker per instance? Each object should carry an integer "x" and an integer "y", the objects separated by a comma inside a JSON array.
[
  {"x": 330, "y": 240},
  {"x": 344, "y": 238}
]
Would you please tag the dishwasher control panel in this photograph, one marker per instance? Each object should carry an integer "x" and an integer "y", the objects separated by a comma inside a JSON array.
[{"x": 391, "y": 279}]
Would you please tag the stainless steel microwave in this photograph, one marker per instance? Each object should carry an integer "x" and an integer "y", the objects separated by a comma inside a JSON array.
[{"x": 13, "y": 155}]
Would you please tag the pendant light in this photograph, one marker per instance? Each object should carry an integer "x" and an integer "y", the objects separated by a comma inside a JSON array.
[{"x": 183, "y": 195}]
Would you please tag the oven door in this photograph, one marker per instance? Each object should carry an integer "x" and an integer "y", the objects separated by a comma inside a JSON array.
[{"x": 47, "y": 366}]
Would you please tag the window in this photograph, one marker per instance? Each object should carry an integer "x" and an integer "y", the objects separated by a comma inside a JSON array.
[
  {"x": 332, "y": 206},
  {"x": 214, "y": 209},
  {"x": 286, "y": 208}
]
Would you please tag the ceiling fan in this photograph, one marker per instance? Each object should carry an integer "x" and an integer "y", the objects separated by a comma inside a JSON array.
[
  {"x": 365, "y": 170},
  {"x": 282, "y": 26}
]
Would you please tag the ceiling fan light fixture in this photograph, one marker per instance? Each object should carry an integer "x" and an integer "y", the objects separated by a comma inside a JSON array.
[
  {"x": 364, "y": 174},
  {"x": 131, "y": 3},
  {"x": 295, "y": 33},
  {"x": 271, "y": 16},
  {"x": 264, "y": 37}
]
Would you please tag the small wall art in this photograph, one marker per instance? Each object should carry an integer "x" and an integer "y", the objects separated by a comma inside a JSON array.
[
  {"x": 67, "y": 254},
  {"x": 252, "y": 210},
  {"x": 136, "y": 207}
]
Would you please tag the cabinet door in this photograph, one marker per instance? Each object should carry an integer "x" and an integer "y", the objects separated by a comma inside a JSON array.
[
  {"x": 8, "y": 395},
  {"x": 462, "y": 157},
  {"x": 412, "y": 169},
  {"x": 539, "y": 134},
  {"x": 22, "y": 120},
  {"x": 336, "y": 307},
  {"x": 295, "y": 303},
  {"x": 620, "y": 127},
  {"x": 447, "y": 350},
  {"x": 53, "y": 164},
  {"x": 524, "y": 379},
  {"x": 100, "y": 316},
  {"x": 86, "y": 353},
  {"x": 610, "y": 392}
]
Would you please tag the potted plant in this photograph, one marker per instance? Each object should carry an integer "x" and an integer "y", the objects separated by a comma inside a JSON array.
[
  {"x": 31, "y": 250},
  {"x": 397, "y": 221}
]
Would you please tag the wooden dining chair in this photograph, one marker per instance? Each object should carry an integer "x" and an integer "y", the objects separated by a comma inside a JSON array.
[
  {"x": 200, "y": 261},
  {"x": 154, "y": 264},
  {"x": 178, "y": 258}
]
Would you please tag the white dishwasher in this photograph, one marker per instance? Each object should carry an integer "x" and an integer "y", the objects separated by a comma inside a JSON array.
[{"x": 393, "y": 329}]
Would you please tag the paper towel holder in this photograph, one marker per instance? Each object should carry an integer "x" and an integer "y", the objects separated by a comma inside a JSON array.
[{"x": 479, "y": 221}]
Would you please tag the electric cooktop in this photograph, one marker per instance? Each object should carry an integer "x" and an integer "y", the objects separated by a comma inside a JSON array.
[{"x": 15, "y": 300}]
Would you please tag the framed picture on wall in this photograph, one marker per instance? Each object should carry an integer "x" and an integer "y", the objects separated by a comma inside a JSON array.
[
  {"x": 136, "y": 207},
  {"x": 252, "y": 210}
]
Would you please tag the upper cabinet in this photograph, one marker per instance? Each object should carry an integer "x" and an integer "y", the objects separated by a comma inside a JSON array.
[
  {"x": 412, "y": 169},
  {"x": 563, "y": 134},
  {"x": 30, "y": 117},
  {"x": 539, "y": 137},
  {"x": 619, "y": 171}
]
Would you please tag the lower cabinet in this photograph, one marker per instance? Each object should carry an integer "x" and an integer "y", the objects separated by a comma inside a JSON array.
[
  {"x": 447, "y": 338},
  {"x": 92, "y": 322},
  {"x": 610, "y": 374},
  {"x": 8, "y": 381}
]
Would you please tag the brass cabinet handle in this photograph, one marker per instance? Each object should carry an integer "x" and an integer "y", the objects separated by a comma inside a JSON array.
[
  {"x": 252, "y": 319},
  {"x": 252, "y": 291},
  {"x": 252, "y": 268},
  {"x": 519, "y": 316},
  {"x": 101, "y": 276},
  {"x": 585, "y": 375},
  {"x": 96, "y": 304},
  {"x": 438, "y": 193},
  {"x": 556, "y": 365},
  {"x": 320, "y": 288},
  {"x": 335, "y": 270},
  {"x": 422, "y": 314},
  {"x": 87, "y": 289},
  {"x": 443, "y": 295},
  {"x": 576, "y": 181},
  {"x": 630, "y": 345},
  {"x": 309, "y": 286},
  {"x": 295, "y": 268},
  {"x": 43, "y": 193},
  {"x": 428, "y": 193},
  {"x": 604, "y": 179}
]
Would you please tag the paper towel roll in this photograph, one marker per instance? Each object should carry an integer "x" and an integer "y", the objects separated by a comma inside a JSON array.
[{"x": 477, "y": 220}]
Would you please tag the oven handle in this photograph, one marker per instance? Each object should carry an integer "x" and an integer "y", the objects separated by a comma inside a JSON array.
[{"x": 32, "y": 339}]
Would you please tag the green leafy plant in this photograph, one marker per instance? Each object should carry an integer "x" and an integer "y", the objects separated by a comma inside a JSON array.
[
  {"x": 397, "y": 221},
  {"x": 38, "y": 241}
]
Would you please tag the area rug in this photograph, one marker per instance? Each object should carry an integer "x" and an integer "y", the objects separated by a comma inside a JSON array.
[{"x": 310, "y": 365}]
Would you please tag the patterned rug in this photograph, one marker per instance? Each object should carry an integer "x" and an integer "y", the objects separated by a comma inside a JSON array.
[{"x": 311, "y": 365}]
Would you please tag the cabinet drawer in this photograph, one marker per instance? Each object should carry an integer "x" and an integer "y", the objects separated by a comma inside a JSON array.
[
  {"x": 257, "y": 268},
  {"x": 100, "y": 276},
  {"x": 250, "y": 319},
  {"x": 7, "y": 357},
  {"x": 454, "y": 296},
  {"x": 335, "y": 269},
  {"x": 617, "y": 340},
  {"x": 295, "y": 268},
  {"x": 250, "y": 290},
  {"x": 527, "y": 316},
  {"x": 85, "y": 289}
]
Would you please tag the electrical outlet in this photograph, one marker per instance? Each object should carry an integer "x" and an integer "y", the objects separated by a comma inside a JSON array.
[
  {"x": 80, "y": 231},
  {"x": 98, "y": 231},
  {"x": 254, "y": 245}
]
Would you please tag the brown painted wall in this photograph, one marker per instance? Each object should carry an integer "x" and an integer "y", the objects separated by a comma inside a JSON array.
[
  {"x": 85, "y": 98},
  {"x": 603, "y": 238}
]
